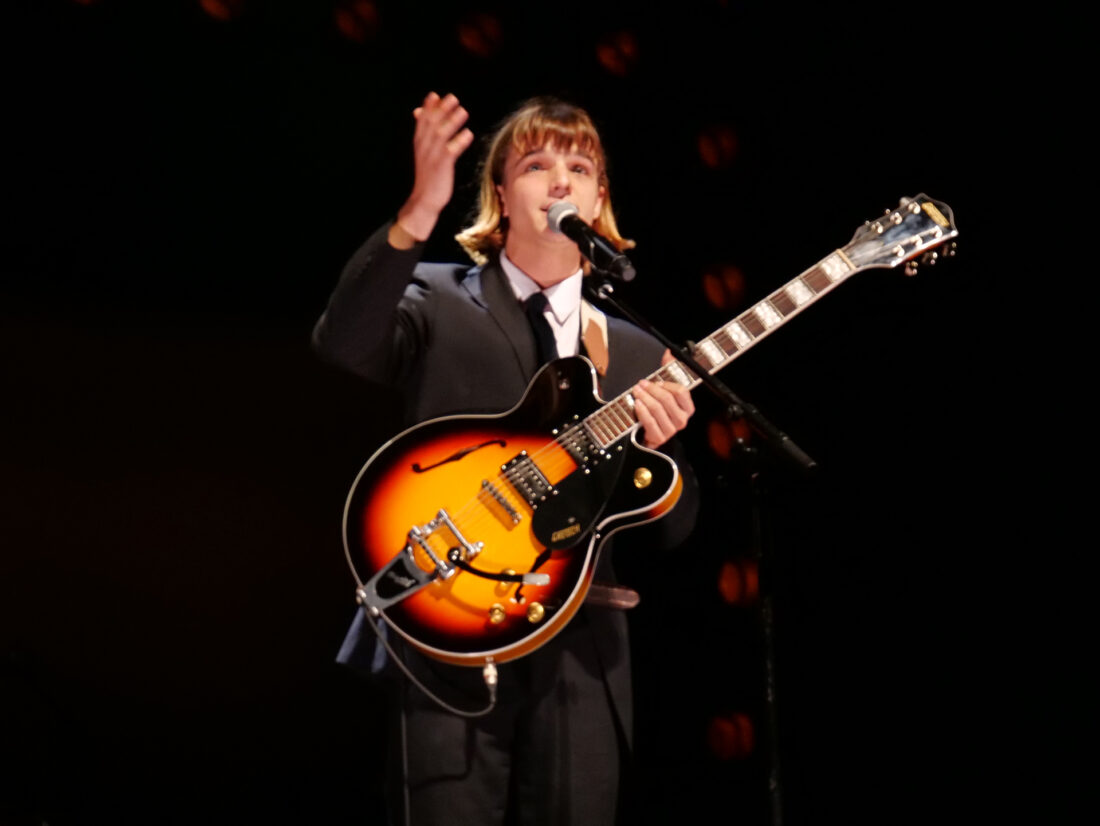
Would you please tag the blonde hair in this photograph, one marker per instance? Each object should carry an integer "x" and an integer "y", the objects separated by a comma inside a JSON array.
[{"x": 537, "y": 123}]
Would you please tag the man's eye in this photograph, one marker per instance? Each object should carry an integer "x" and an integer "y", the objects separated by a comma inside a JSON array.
[
  {"x": 581, "y": 169},
  {"x": 534, "y": 166}
]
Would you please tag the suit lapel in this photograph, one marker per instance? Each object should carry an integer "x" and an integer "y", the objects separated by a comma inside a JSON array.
[{"x": 490, "y": 289}]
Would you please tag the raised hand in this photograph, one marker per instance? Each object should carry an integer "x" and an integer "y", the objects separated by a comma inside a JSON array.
[{"x": 438, "y": 140}]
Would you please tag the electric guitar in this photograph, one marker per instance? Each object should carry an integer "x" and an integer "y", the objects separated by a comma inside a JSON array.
[{"x": 476, "y": 537}]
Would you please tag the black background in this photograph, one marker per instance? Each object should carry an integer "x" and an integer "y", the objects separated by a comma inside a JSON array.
[{"x": 179, "y": 197}]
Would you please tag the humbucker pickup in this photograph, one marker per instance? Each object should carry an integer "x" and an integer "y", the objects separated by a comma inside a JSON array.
[{"x": 527, "y": 480}]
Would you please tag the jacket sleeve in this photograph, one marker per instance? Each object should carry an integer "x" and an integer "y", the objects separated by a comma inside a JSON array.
[{"x": 374, "y": 324}]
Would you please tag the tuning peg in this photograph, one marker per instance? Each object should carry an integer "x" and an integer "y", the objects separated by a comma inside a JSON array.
[
  {"x": 910, "y": 268},
  {"x": 950, "y": 250},
  {"x": 930, "y": 258}
]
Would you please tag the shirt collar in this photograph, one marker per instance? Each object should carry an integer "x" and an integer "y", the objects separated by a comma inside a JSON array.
[{"x": 564, "y": 297}]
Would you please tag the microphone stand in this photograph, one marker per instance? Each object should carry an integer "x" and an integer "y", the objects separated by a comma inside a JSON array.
[
  {"x": 603, "y": 293},
  {"x": 599, "y": 289}
]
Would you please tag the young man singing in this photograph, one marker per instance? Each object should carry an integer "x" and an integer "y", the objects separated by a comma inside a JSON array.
[{"x": 452, "y": 339}]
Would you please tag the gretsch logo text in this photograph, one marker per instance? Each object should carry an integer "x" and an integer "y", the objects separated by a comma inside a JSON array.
[{"x": 565, "y": 533}]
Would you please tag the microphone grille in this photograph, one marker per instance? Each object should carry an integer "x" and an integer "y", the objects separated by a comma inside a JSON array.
[{"x": 558, "y": 211}]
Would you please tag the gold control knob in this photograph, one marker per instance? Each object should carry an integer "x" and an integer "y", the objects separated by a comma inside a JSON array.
[
  {"x": 642, "y": 477},
  {"x": 496, "y": 613},
  {"x": 535, "y": 612}
]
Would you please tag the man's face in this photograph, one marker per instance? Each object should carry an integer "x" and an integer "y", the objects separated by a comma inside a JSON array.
[{"x": 534, "y": 181}]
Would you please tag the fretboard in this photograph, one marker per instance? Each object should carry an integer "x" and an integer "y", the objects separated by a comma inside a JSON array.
[{"x": 616, "y": 418}]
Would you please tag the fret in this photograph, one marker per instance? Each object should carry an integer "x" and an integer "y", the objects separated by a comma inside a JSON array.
[
  {"x": 590, "y": 432},
  {"x": 609, "y": 426},
  {"x": 619, "y": 416},
  {"x": 753, "y": 324},
  {"x": 625, "y": 403},
  {"x": 728, "y": 345},
  {"x": 816, "y": 280},
  {"x": 783, "y": 303},
  {"x": 703, "y": 357},
  {"x": 599, "y": 428}
]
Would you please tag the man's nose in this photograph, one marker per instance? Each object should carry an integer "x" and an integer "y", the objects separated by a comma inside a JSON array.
[{"x": 560, "y": 182}]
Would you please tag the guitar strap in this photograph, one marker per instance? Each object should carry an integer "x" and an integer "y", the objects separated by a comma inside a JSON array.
[{"x": 594, "y": 337}]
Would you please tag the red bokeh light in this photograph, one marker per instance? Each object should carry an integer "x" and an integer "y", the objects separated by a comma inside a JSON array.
[
  {"x": 357, "y": 20},
  {"x": 724, "y": 288},
  {"x": 618, "y": 53},
  {"x": 481, "y": 34},
  {"x": 718, "y": 146},
  {"x": 223, "y": 9},
  {"x": 731, "y": 736},
  {"x": 739, "y": 581}
]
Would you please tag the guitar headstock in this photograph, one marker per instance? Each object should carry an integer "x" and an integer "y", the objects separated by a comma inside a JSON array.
[{"x": 902, "y": 236}]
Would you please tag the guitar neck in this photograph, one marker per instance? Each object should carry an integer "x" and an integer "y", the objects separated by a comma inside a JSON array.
[
  {"x": 916, "y": 227},
  {"x": 612, "y": 421}
]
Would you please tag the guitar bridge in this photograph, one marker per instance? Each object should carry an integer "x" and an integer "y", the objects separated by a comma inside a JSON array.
[{"x": 418, "y": 538}]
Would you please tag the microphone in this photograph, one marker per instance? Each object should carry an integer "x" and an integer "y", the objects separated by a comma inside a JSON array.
[{"x": 565, "y": 218}]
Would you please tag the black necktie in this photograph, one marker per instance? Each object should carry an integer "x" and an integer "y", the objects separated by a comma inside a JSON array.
[{"x": 535, "y": 307}]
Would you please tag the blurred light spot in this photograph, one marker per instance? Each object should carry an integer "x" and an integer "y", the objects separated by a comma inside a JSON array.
[
  {"x": 223, "y": 9},
  {"x": 719, "y": 439},
  {"x": 718, "y": 146},
  {"x": 731, "y": 736},
  {"x": 357, "y": 20},
  {"x": 724, "y": 436},
  {"x": 739, "y": 581},
  {"x": 724, "y": 288},
  {"x": 618, "y": 53},
  {"x": 481, "y": 34}
]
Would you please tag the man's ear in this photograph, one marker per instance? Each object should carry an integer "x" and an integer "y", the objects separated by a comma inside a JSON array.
[{"x": 503, "y": 203}]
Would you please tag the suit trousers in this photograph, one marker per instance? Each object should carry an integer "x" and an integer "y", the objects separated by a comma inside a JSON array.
[{"x": 549, "y": 754}]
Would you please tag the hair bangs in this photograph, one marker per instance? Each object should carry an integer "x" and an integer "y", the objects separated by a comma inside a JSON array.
[{"x": 574, "y": 133}]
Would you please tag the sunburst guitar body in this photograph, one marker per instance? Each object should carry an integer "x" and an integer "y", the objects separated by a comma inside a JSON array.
[{"x": 476, "y": 537}]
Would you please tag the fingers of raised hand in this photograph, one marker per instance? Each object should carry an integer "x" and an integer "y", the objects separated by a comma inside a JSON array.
[{"x": 439, "y": 125}]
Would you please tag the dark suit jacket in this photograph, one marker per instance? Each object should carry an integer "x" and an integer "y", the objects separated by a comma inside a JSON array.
[{"x": 454, "y": 339}]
